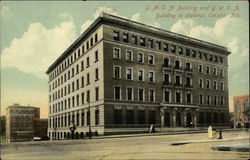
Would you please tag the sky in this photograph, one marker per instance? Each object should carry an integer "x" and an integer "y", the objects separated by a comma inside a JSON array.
[{"x": 34, "y": 34}]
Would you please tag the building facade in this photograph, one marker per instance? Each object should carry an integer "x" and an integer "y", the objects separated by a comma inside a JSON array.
[
  {"x": 135, "y": 75},
  {"x": 21, "y": 123},
  {"x": 241, "y": 111}
]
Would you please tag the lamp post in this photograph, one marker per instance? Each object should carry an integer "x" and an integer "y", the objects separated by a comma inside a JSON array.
[
  {"x": 72, "y": 128},
  {"x": 90, "y": 133}
]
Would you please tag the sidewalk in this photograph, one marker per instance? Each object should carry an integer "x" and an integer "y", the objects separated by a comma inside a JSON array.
[
  {"x": 236, "y": 147},
  {"x": 208, "y": 140}
]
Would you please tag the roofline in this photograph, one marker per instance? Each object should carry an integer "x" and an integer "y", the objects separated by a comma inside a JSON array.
[{"x": 107, "y": 17}]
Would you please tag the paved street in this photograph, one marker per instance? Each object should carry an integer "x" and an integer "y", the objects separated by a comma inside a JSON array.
[{"x": 144, "y": 147}]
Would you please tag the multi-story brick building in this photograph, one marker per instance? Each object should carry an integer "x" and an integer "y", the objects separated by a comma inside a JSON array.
[
  {"x": 241, "y": 111},
  {"x": 22, "y": 121},
  {"x": 136, "y": 75}
]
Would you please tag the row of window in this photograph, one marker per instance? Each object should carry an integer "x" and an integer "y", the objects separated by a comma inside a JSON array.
[
  {"x": 244, "y": 109},
  {"x": 74, "y": 84},
  {"x": 74, "y": 56},
  {"x": 208, "y": 84},
  {"x": 165, "y": 46},
  {"x": 67, "y": 120},
  {"x": 73, "y": 101},
  {"x": 211, "y": 100},
  {"x": 129, "y": 74},
  {"x": 130, "y": 116},
  {"x": 166, "y": 61}
]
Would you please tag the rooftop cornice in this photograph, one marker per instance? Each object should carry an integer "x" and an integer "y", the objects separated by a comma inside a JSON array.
[{"x": 105, "y": 18}]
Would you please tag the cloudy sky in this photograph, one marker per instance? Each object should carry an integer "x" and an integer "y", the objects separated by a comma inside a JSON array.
[{"x": 34, "y": 34}]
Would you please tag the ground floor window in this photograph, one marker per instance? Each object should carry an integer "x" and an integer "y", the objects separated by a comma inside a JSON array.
[
  {"x": 151, "y": 117},
  {"x": 97, "y": 117},
  {"x": 141, "y": 117},
  {"x": 130, "y": 117},
  {"x": 117, "y": 119}
]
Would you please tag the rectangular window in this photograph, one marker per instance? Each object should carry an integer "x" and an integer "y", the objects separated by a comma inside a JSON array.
[
  {"x": 221, "y": 86},
  {"x": 82, "y": 80},
  {"x": 187, "y": 52},
  {"x": 88, "y": 96},
  {"x": 73, "y": 86},
  {"x": 200, "y": 83},
  {"x": 215, "y": 85},
  {"x": 142, "y": 41},
  {"x": 96, "y": 56},
  {"x": 141, "y": 116},
  {"x": 77, "y": 100},
  {"x": 150, "y": 43},
  {"x": 116, "y": 53},
  {"x": 129, "y": 55},
  {"x": 96, "y": 117},
  {"x": 96, "y": 93},
  {"x": 158, "y": 45},
  {"x": 180, "y": 50},
  {"x": 188, "y": 66},
  {"x": 151, "y": 119},
  {"x": 165, "y": 47},
  {"x": 215, "y": 100},
  {"x": 189, "y": 97},
  {"x": 96, "y": 74},
  {"x": 125, "y": 37},
  {"x": 141, "y": 94},
  {"x": 88, "y": 79},
  {"x": 129, "y": 73},
  {"x": 177, "y": 64},
  {"x": 151, "y": 95},
  {"x": 166, "y": 78},
  {"x": 193, "y": 53},
  {"x": 129, "y": 94},
  {"x": 134, "y": 39},
  {"x": 73, "y": 73},
  {"x": 151, "y": 76},
  {"x": 82, "y": 98},
  {"x": 87, "y": 61},
  {"x": 91, "y": 42},
  {"x": 73, "y": 101},
  {"x": 68, "y": 88},
  {"x": 117, "y": 119},
  {"x": 82, "y": 119},
  {"x": 151, "y": 59},
  {"x": 140, "y": 75},
  {"x": 178, "y": 97},
  {"x": 166, "y": 95},
  {"x": 208, "y": 99},
  {"x": 201, "y": 99},
  {"x": 117, "y": 72},
  {"x": 188, "y": 82},
  {"x": 116, "y": 35},
  {"x": 215, "y": 71},
  {"x": 129, "y": 117},
  {"x": 221, "y": 59},
  {"x": 140, "y": 57},
  {"x": 173, "y": 48},
  {"x": 208, "y": 84},
  {"x": 117, "y": 93},
  {"x": 208, "y": 70},
  {"x": 82, "y": 66},
  {"x": 69, "y": 103},
  {"x": 200, "y": 68},
  {"x": 87, "y": 45},
  {"x": 96, "y": 38},
  {"x": 77, "y": 84},
  {"x": 177, "y": 80}
]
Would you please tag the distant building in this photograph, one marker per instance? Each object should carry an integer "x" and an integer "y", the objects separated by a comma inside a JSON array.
[
  {"x": 241, "y": 111},
  {"x": 135, "y": 75},
  {"x": 2, "y": 125},
  {"x": 23, "y": 123}
]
